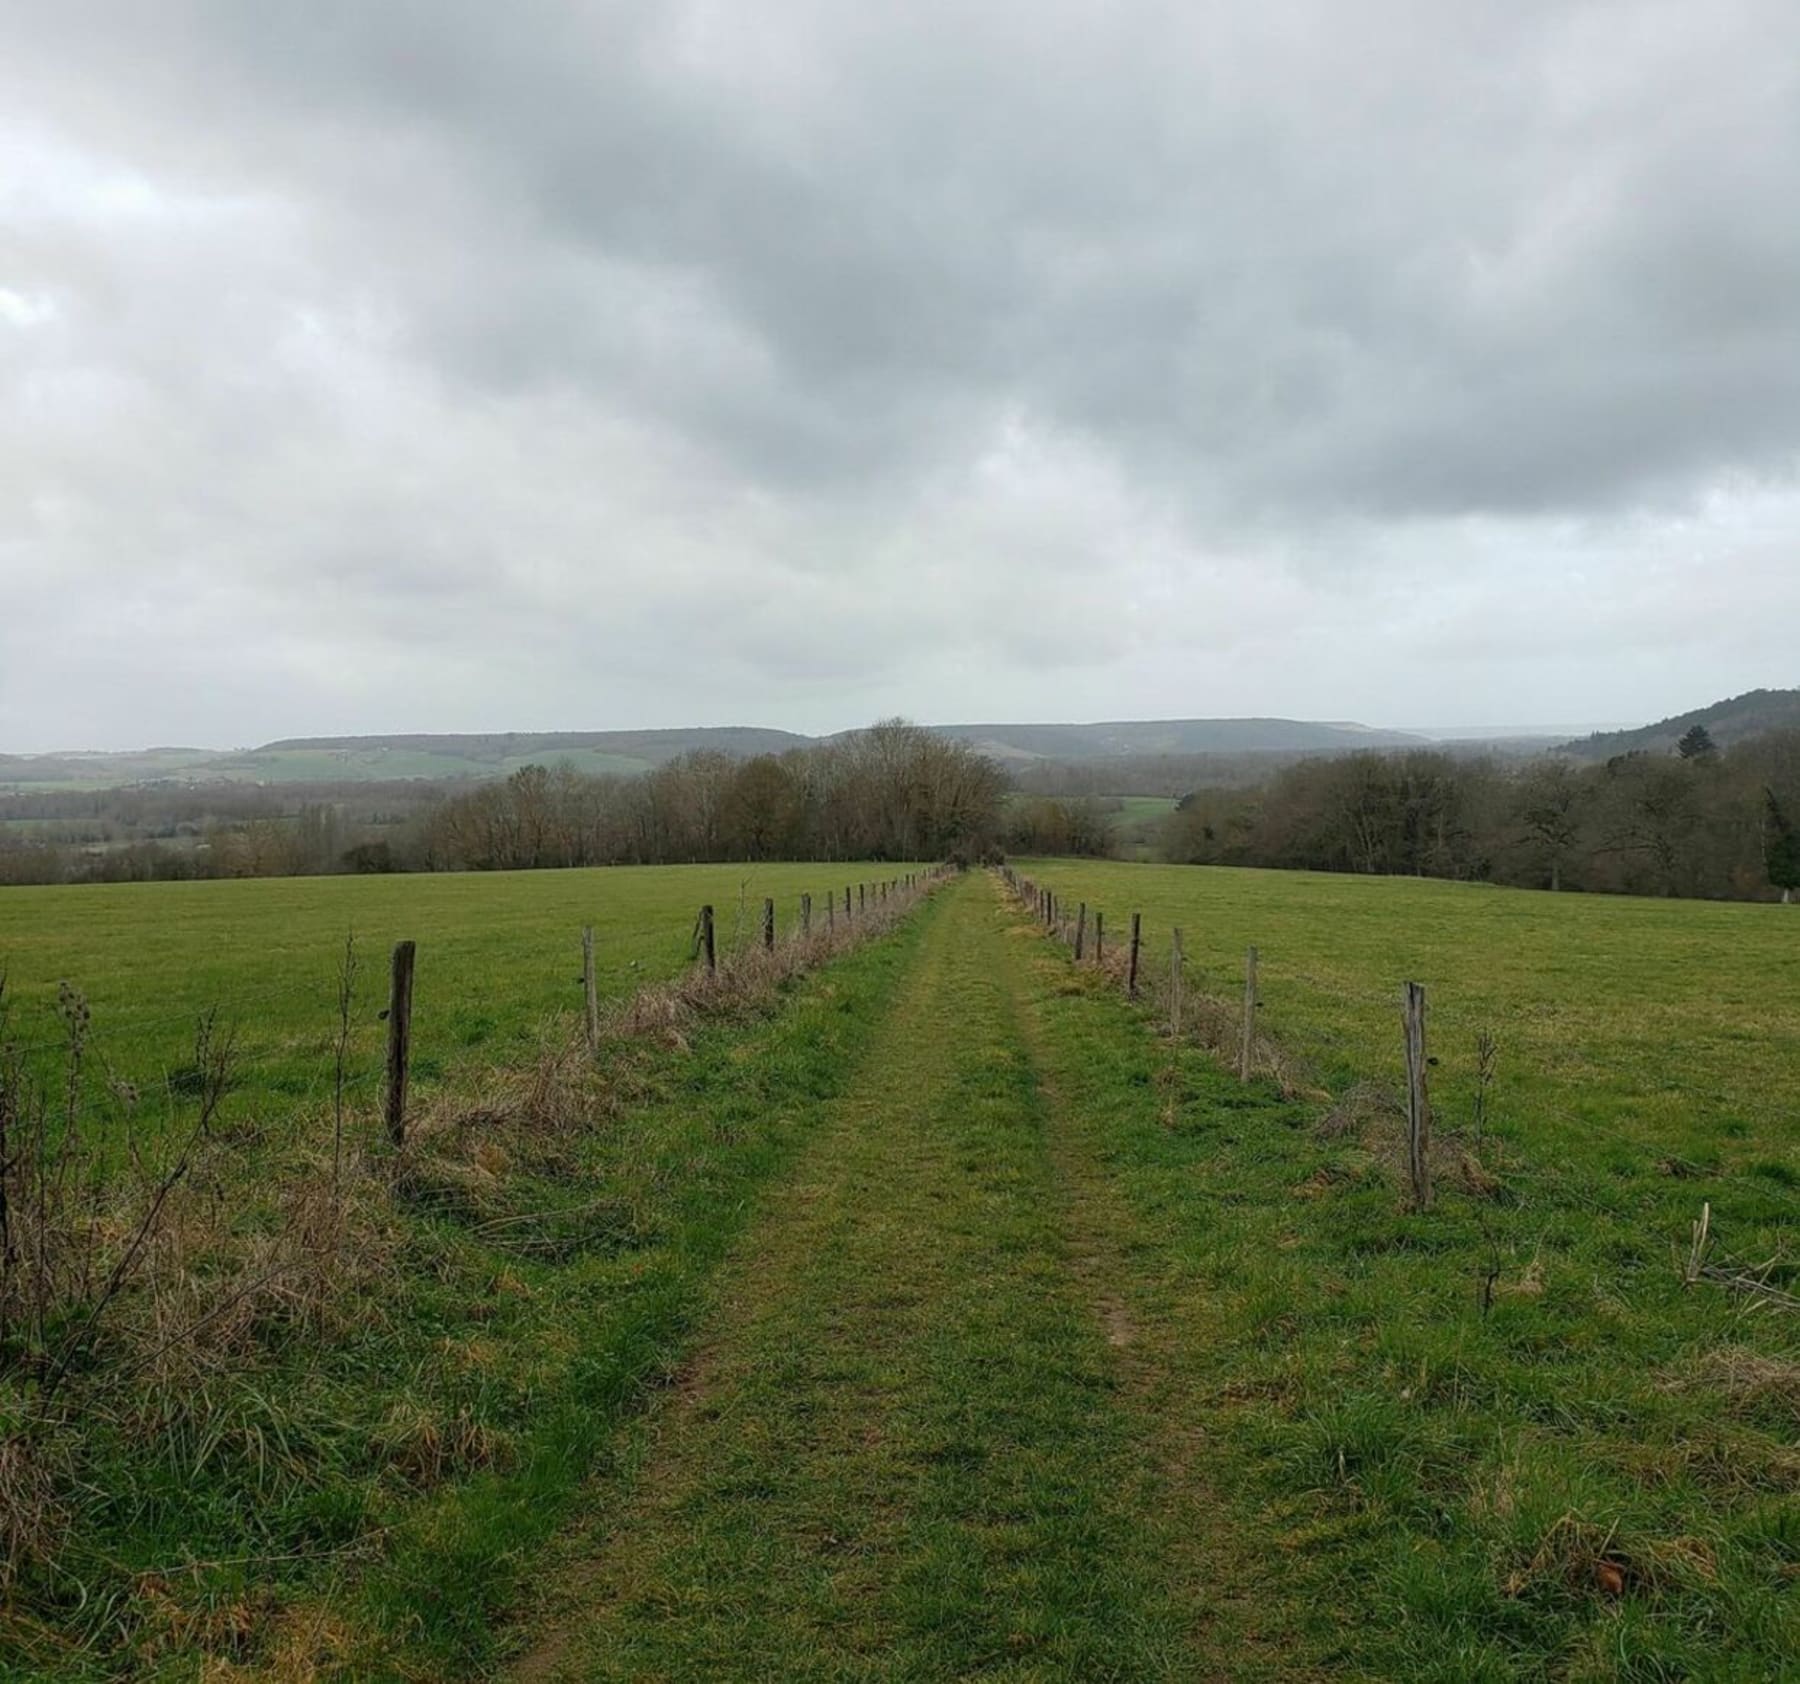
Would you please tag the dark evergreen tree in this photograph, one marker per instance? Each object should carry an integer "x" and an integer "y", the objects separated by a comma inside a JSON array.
[
  {"x": 1781, "y": 847},
  {"x": 1696, "y": 744}
]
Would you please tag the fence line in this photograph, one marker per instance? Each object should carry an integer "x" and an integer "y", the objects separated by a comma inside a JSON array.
[
  {"x": 1043, "y": 902},
  {"x": 893, "y": 895}
]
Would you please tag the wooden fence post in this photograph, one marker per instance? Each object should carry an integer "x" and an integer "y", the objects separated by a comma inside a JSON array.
[
  {"x": 831, "y": 912},
  {"x": 768, "y": 923},
  {"x": 1418, "y": 1099},
  {"x": 707, "y": 942},
  {"x": 862, "y": 897},
  {"x": 590, "y": 991},
  {"x": 1099, "y": 936},
  {"x": 1080, "y": 930},
  {"x": 1131, "y": 968},
  {"x": 1247, "y": 1047},
  {"x": 805, "y": 915},
  {"x": 399, "y": 1048},
  {"x": 846, "y": 903},
  {"x": 1175, "y": 983}
]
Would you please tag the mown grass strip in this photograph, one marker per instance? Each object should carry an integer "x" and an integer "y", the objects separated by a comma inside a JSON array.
[{"x": 903, "y": 1456}]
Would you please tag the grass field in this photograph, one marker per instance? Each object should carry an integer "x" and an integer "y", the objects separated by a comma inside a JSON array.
[
  {"x": 498, "y": 954},
  {"x": 940, "y": 1316},
  {"x": 1138, "y": 808},
  {"x": 1501, "y": 1437},
  {"x": 1137, "y": 826},
  {"x": 1629, "y": 1029},
  {"x": 356, "y": 1408}
]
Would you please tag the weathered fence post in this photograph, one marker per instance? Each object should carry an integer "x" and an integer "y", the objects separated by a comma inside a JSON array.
[
  {"x": 830, "y": 912},
  {"x": 1175, "y": 983},
  {"x": 1099, "y": 936},
  {"x": 1131, "y": 968},
  {"x": 707, "y": 943},
  {"x": 1247, "y": 1047},
  {"x": 1418, "y": 1099},
  {"x": 590, "y": 991},
  {"x": 399, "y": 1048},
  {"x": 768, "y": 923},
  {"x": 846, "y": 903},
  {"x": 805, "y": 915},
  {"x": 862, "y": 897},
  {"x": 1080, "y": 930}
]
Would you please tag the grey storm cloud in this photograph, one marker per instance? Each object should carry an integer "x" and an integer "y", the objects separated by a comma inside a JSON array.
[{"x": 455, "y": 365}]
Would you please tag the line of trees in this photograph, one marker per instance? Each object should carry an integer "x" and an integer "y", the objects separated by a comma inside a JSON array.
[
  {"x": 893, "y": 791},
  {"x": 1696, "y": 822}
]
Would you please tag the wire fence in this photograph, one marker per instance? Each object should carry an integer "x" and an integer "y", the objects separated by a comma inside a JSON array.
[
  {"x": 1319, "y": 1038},
  {"x": 143, "y": 1058}
]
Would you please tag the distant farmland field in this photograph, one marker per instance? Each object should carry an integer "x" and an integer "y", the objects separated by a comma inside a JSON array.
[
  {"x": 498, "y": 953},
  {"x": 1137, "y": 825}
]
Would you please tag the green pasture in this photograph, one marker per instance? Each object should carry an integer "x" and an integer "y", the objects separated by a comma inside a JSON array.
[
  {"x": 1139, "y": 809},
  {"x": 499, "y": 954},
  {"x": 1137, "y": 826},
  {"x": 1631, "y": 1032}
]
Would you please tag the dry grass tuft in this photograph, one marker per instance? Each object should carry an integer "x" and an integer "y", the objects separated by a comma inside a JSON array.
[
  {"x": 426, "y": 1449},
  {"x": 31, "y": 1516},
  {"x": 297, "y": 1646},
  {"x": 1585, "y": 1559},
  {"x": 1749, "y": 1381},
  {"x": 1359, "y": 1106}
]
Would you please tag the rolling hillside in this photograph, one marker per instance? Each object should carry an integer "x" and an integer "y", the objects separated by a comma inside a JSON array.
[
  {"x": 1109, "y": 738},
  {"x": 1732, "y": 721},
  {"x": 495, "y": 754},
  {"x": 384, "y": 758}
]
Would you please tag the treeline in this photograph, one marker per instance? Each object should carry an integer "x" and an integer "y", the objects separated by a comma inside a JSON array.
[
  {"x": 893, "y": 791},
  {"x": 1696, "y": 822},
  {"x": 1046, "y": 825},
  {"x": 313, "y": 839},
  {"x": 1150, "y": 774}
]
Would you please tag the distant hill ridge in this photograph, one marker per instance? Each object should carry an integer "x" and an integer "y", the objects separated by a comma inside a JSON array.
[
  {"x": 448, "y": 756},
  {"x": 650, "y": 746},
  {"x": 1734, "y": 720},
  {"x": 1107, "y": 738},
  {"x": 489, "y": 754}
]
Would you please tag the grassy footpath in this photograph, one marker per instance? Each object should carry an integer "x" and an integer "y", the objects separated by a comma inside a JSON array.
[
  {"x": 360, "y": 1494},
  {"x": 1597, "y": 1477},
  {"x": 907, "y": 1452},
  {"x": 989, "y": 1333},
  {"x": 1063, "y": 1356}
]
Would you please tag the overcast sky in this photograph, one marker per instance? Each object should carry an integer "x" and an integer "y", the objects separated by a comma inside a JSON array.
[{"x": 432, "y": 366}]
